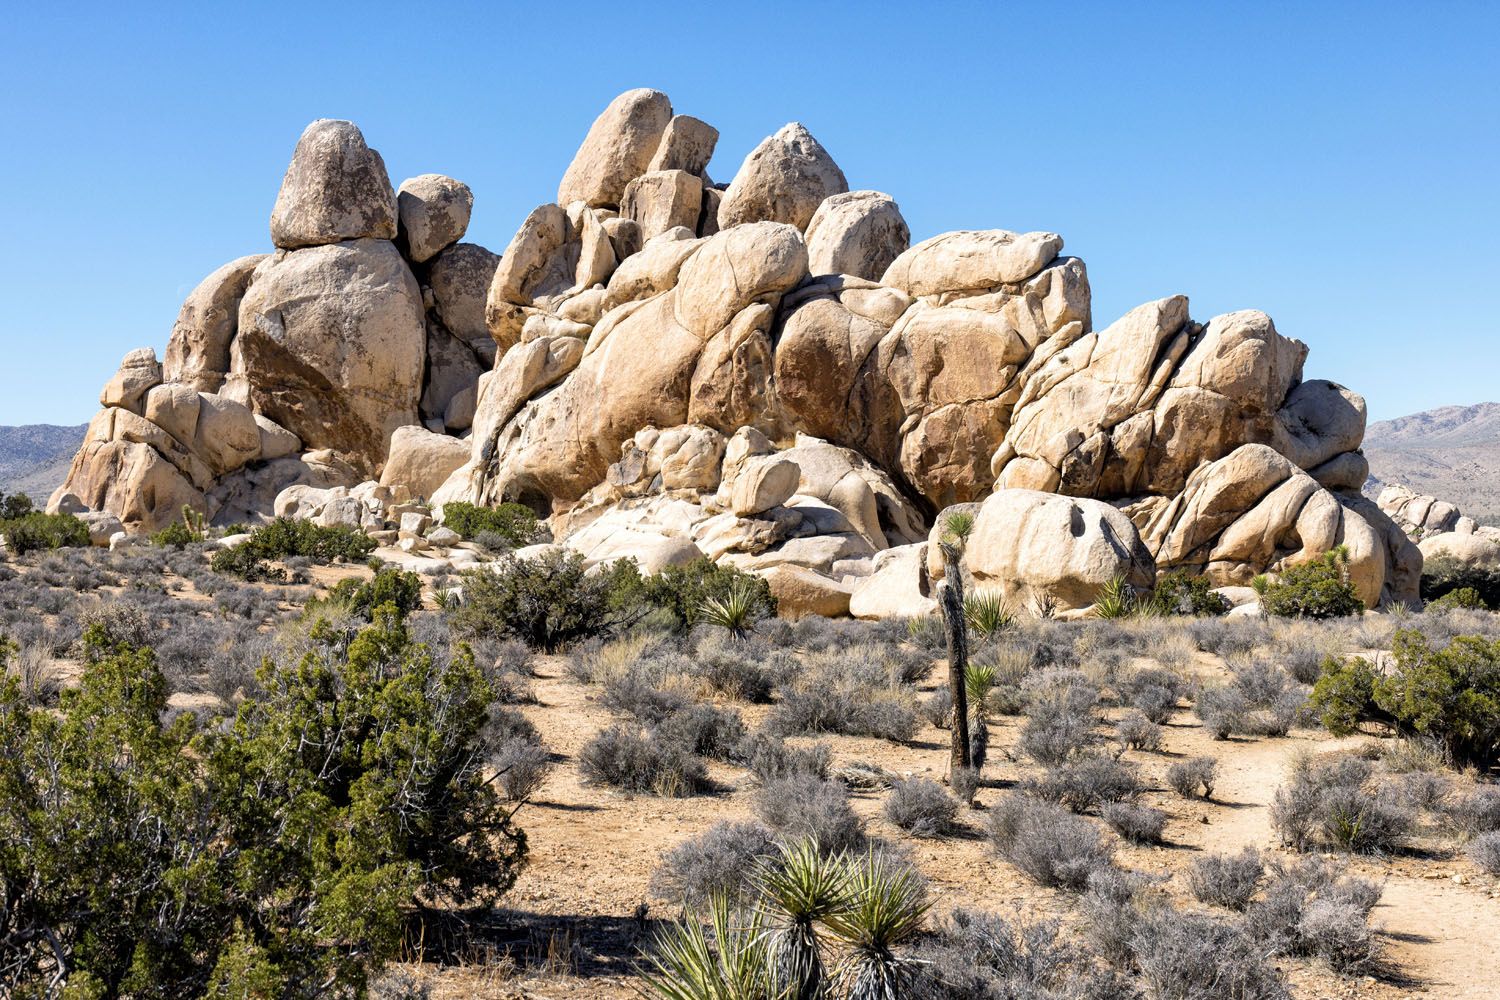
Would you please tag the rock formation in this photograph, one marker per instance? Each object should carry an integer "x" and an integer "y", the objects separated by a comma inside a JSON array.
[{"x": 768, "y": 373}]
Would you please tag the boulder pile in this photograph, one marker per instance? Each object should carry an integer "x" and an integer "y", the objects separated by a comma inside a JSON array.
[
  {"x": 767, "y": 372},
  {"x": 1440, "y": 529}
]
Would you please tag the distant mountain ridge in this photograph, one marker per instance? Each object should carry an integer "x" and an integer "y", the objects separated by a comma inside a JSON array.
[
  {"x": 1452, "y": 453},
  {"x": 34, "y": 458}
]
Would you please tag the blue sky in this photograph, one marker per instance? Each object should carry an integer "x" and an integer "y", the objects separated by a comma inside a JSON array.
[{"x": 1332, "y": 164}]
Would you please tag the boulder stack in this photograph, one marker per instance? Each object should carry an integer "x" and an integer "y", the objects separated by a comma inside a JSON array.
[{"x": 769, "y": 374}]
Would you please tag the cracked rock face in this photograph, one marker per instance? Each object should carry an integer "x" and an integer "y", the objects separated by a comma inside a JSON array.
[{"x": 769, "y": 373}]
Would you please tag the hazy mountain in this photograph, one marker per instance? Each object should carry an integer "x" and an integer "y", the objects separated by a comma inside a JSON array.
[
  {"x": 1452, "y": 453},
  {"x": 34, "y": 458}
]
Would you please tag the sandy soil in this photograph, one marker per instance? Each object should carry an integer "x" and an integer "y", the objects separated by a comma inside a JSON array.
[{"x": 577, "y": 906}]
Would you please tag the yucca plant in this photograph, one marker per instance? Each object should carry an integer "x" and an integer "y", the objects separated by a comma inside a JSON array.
[
  {"x": 801, "y": 888},
  {"x": 987, "y": 613},
  {"x": 736, "y": 612},
  {"x": 958, "y": 525},
  {"x": 1115, "y": 600},
  {"x": 979, "y": 681},
  {"x": 730, "y": 959},
  {"x": 886, "y": 909}
]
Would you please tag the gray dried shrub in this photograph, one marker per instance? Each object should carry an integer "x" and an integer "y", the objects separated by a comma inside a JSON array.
[
  {"x": 802, "y": 805},
  {"x": 706, "y": 730},
  {"x": 965, "y": 784},
  {"x": 1085, "y": 784},
  {"x": 846, "y": 693},
  {"x": 625, "y": 758},
  {"x": 1139, "y": 824},
  {"x": 1476, "y": 813},
  {"x": 1222, "y": 710},
  {"x": 980, "y": 956},
  {"x": 1484, "y": 851},
  {"x": 768, "y": 757},
  {"x": 400, "y": 984},
  {"x": 522, "y": 766},
  {"x": 1047, "y": 843},
  {"x": 1309, "y": 910},
  {"x": 921, "y": 807},
  {"x": 746, "y": 670},
  {"x": 1338, "y": 804},
  {"x": 937, "y": 708},
  {"x": 1194, "y": 777},
  {"x": 1190, "y": 956},
  {"x": 1227, "y": 880},
  {"x": 722, "y": 859},
  {"x": 1136, "y": 732}
]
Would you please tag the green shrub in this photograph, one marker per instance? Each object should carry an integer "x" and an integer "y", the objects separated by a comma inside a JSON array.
[
  {"x": 246, "y": 563},
  {"x": 1466, "y": 598},
  {"x": 1316, "y": 589},
  {"x": 1183, "y": 593},
  {"x": 397, "y": 588},
  {"x": 285, "y": 537},
  {"x": 1443, "y": 575},
  {"x": 180, "y": 534},
  {"x": 684, "y": 591},
  {"x": 269, "y": 857},
  {"x": 514, "y": 523},
  {"x": 548, "y": 602},
  {"x": 1449, "y": 695},
  {"x": 36, "y": 531},
  {"x": 15, "y": 505}
]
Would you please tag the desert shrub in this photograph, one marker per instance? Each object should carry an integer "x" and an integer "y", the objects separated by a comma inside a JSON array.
[
  {"x": 1136, "y": 823},
  {"x": 549, "y": 602},
  {"x": 1475, "y": 813},
  {"x": 768, "y": 757},
  {"x": 744, "y": 670},
  {"x": 845, "y": 693},
  {"x": 1187, "y": 956},
  {"x": 1464, "y": 598},
  {"x": 1086, "y": 784},
  {"x": 35, "y": 531},
  {"x": 112, "y": 628},
  {"x": 1194, "y": 777},
  {"x": 722, "y": 860},
  {"x": 980, "y": 956},
  {"x": 1222, "y": 710},
  {"x": 400, "y": 984},
  {"x": 682, "y": 592},
  {"x": 1136, "y": 732},
  {"x": 1046, "y": 843},
  {"x": 921, "y": 807},
  {"x": 1307, "y": 909},
  {"x": 637, "y": 693},
  {"x": 184, "y": 531},
  {"x": 1424, "y": 790},
  {"x": 1060, "y": 715},
  {"x": 1051, "y": 740},
  {"x": 805, "y": 806},
  {"x": 965, "y": 783},
  {"x": 1484, "y": 851},
  {"x": 522, "y": 766},
  {"x": 246, "y": 563},
  {"x": 1182, "y": 593},
  {"x": 937, "y": 708},
  {"x": 623, "y": 757},
  {"x": 1337, "y": 804},
  {"x": 1445, "y": 575},
  {"x": 1319, "y": 588},
  {"x": 1227, "y": 880},
  {"x": 14, "y": 505},
  {"x": 1449, "y": 694},
  {"x": 1155, "y": 702},
  {"x": 362, "y": 597},
  {"x": 706, "y": 730},
  {"x": 193, "y": 824},
  {"x": 285, "y": 537},
  {"x": 508, "y": 526}
]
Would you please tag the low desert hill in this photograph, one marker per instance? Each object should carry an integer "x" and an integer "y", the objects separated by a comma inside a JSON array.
[
  {"x": 34, "y": 458},
  {"x": 1452, "y": 453}
]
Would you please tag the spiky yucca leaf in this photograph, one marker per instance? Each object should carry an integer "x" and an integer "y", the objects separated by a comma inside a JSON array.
[
  {"x": 887, "y": 907},
  {"x": 729, "y": 959},
  {"x": 958, "y": 526},
  {"x": 1115, "y": 600},
  {"x": 987, "y": 613},
  {"x": 737, "y": 611},
  {"x": 979, "y": 681},
  {"x": 800, "y": 888}
]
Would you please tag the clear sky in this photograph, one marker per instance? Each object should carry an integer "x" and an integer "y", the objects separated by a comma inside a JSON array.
[{"x": 1333, "y": 164}]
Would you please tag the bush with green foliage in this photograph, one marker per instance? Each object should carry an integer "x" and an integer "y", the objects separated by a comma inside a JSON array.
[
  {"x": 284, "y": 538},
  {"x": 395, "y": 587},
  {"x": 512, "y": 524},
  {"x": 1443, "y": 574},
  {"x": 548, "y": 602},
  {"x": 15, "y": 505},
  {"x": 1460, "y": 598},
  {"x": 190, "y": 528},
  {"x": 246, "y": 563},
  {"x": 1450, "y": 695},
  {"x": 1182, "y": 593},
  {"x": 1319, "y": 588},
  {"x": 684, "y": 592},
  {"x": 37, "y": 532},
  {"x": 271, "y": 856}
]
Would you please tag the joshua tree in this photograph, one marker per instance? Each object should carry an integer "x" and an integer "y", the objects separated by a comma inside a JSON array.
[{"x": 956, "y": 530}]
